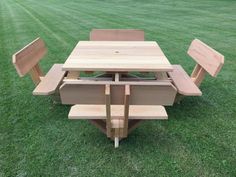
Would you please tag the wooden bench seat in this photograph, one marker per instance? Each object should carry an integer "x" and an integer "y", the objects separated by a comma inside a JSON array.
[
  {"x": 50, "y": 81},
  {"x": 26, "y": 60},
  {"x": 183, "y": 82},
  {"x": 117, "y": 112}
]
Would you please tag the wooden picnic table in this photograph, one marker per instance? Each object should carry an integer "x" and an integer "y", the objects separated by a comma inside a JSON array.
[{"x": 117, "y": 101}]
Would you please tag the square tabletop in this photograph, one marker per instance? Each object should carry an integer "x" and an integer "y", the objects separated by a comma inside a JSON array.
[{"x": 118, "y": 56}]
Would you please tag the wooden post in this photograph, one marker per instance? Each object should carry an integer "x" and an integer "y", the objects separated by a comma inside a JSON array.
[
  {"x": 39, "y": 71},
  {"x": 198, "y": 74},
  {"x": 35, "y": 74},
  {"x": 108, "y": 109},
  {"x": 126, "y": 110},
  {"x": 195, "y": 71}
]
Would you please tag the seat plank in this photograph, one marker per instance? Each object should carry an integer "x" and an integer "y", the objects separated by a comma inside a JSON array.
[
  {"x": 117, "y": 112},
  {"x": 183, "y": 82},
  {"x": 50, "y": 82}
]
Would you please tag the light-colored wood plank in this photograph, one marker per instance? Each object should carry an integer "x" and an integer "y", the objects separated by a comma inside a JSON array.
[
  {"x": 25, "y": 59},
  {"x": 152, "y": 94},
  {"x": 143, "y": 93},
  {"x": 35, "y": 76},
  {"x": 183, "y": 82},
  {"x": 118, "y": 64},
  {"x": 108, "y": 110},
  {"x": 82, "y": 94},
  {"x": 116, "y": 35},
  {"x": 211, "y": 60},
  {"x": 126, "y": 110},
  {"x": 73, "y": 74},
  {"x": 51, "y": 81},
  {"x": 136, "y": 112},
  {"x": 116, "y": 56},
  {"x": 195, "y": 71},
  {"x": 39, "y": 70},
  {"x": 117, "y": 43},
  {"x": 118, "y": 124},
  {"x": 119, "y": 50},
  {"x": 200, "y": 76}
]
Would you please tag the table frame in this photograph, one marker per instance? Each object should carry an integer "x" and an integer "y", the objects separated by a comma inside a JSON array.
[{"x": 129, "y": 89}]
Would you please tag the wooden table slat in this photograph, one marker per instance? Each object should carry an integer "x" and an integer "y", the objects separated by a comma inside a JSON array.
[{"x": 117, "y": 56}]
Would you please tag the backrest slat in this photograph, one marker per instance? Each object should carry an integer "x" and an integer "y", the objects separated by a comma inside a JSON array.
[
  {"x": 116, "y": 35},
  {"x": 25, "y": 59},
  {"x": 89, "y": 92},
  {"x": 208, "y": 58}
]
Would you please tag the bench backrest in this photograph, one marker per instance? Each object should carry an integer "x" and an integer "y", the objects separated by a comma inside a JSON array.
[
  {"x": 26, "y": 60},
  {"x": 116, "y": 35},
  {"x": 208, "y": 58},
  {"x": 208, "y": 61},
  {"x": 162, "y": 93}
]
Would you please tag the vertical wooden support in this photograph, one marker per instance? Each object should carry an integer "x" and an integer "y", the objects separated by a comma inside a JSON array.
[
  {"x": 108, "y": 109},
  {"x": 195, "y": 71},
  {"x": 126, "y": 110},
  {"x": 38, "y": 69},
  {"x": 35, "y": 74},
  {"x": 198, "y": 74}
]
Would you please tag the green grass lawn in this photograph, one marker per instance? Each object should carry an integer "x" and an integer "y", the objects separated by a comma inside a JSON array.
[{"x": 37, "y": 139}]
